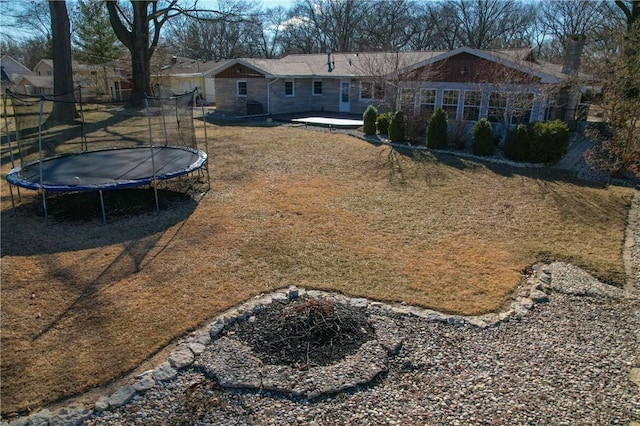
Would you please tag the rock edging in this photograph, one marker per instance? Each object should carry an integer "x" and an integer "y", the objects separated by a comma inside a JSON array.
[{"x": 198, "y": 346}]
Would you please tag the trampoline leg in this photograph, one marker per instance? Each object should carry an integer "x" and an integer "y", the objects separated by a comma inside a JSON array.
[
  {"x": 44, "y": 206},
  {"x": 13, "y": 204},
  {"x": 104, "y": 213},
  {"x": 155, "y": 192},
  {"x": 208, "y": 179}
]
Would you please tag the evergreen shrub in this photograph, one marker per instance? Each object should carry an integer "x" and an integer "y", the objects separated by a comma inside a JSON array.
[
  {"x": 437, "y": 130},
  {"x": 396, "y": 127},
  {"x": 550, "y": 141},
  {"x": 369, "y": 120},
  {"x": 516, "y": 146},
  {"x": 483, "y": 139},
  {"x": 382, "y": 123}
]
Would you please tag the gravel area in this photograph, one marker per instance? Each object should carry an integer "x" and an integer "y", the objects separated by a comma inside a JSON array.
[{"x": 565, "y": 362}]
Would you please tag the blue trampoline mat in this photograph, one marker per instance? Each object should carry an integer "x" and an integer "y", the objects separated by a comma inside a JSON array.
[{"x": 108, "y": 169}]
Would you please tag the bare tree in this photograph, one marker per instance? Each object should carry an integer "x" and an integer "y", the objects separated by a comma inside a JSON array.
[
  {"x": 560, "y": 19},
  {"x": 434, "y": 26},
  {"x": 493, "y": 23},
  {"x": 387, "y": 26},
  {"x": 271, "y": 26},
  {"x": 618, "y": 137},
  {"x": 631, "y": 10},
  {"x": 300, "y": 34},
  {"x": 336, "y": 23},
  {"x": 138, "y": 28}
]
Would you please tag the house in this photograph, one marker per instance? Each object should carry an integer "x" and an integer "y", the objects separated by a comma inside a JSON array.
[
  {"x": 505, "y": 86},
  {"x": 11, "y": 70},
  {"x": 180, "y": 75},
  {"x": 169, "y": 73},
  {"x": 36, "y": 85},
  {"x": 40, "y": 80},
  {"x": 44, "y": 67}
]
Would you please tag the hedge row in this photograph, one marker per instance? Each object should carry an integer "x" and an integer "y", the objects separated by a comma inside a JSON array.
[{"x": 540, "y": 142}]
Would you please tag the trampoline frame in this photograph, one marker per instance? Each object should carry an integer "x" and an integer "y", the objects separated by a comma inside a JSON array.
[{"x": 15, "y": 176}]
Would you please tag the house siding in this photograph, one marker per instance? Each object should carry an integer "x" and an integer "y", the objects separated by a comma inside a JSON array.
[
  {"x": 466, "y": 68},
  {"x": 276, "y": 102},
  {"x": 462, "y": 72}
]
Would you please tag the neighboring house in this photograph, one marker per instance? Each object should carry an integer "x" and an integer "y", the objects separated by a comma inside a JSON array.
[
  {"x": 180, "y": 75},
  {"x": 40, "y": 80},
  {"x": 169, "y": 74},
  {"x": 33, "y": 84},
  {"x": 44, "y": 67},
  {"x": 506, "y": 86},
  {"x": 11, "y": 70}
]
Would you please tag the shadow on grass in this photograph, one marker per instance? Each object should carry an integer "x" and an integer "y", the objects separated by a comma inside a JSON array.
[
  {"x": 74, "y": 220},
  {"x": 545, "y": 173},
  {"x": 229, "y": 121}
]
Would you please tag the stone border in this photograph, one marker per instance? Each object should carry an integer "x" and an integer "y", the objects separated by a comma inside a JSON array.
[{"x": 190, "y": 350}]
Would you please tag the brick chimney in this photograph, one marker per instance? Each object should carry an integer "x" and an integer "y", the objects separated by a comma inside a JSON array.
[{"x": 573, "y": 53}]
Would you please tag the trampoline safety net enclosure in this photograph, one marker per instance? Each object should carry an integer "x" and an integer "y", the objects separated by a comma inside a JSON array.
[{"x": 106, "y": 146}]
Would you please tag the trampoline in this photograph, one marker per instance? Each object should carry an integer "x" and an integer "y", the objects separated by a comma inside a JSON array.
[
  {"x": 108, "y": 169},
  {"x": 123, "y": 147}
]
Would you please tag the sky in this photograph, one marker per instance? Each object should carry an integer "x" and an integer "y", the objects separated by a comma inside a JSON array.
[{"x": 273, "y": 3}]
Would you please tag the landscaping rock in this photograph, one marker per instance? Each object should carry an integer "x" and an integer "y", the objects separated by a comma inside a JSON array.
[
  {"x": 165, "y": 372},
  {"x": 181, "y": 357},
  {"x": 144, "y": 383},
  {"x": 122, "y": 396}
]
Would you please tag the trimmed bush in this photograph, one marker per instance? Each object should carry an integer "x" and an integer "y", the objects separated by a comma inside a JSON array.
[
  {"x": 483, "y": 138},
  {"x": 369, "y": 120},
  {"x": 382, "y": 123},
  {"x": 396, "y": 127},
  {"x": 550, "y": 141},
  {"x": 437, "y": 130},
  {"x": 516, "y": 146}
]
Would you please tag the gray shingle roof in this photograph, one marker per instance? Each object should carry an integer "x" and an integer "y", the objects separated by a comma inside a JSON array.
[{"x": 361, "y": 64}]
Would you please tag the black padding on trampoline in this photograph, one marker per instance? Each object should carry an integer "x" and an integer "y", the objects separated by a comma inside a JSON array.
[{"x": 108, "y": 169}]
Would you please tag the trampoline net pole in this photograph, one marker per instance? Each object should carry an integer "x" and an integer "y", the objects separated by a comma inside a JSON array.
[
  {"x": 14, "y": 102},
  {"x": 206, "y": 143},
  {"x": 40, "y": 143},
  {"x": 164, "y": 123},
  {"x": 6, "y": 127},
  {"x": 153, "y": 162},
  {"x": 83, "y": 136}
]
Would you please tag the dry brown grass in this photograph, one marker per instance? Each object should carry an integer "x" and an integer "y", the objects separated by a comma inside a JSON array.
[{"x": 287, "y": 206}]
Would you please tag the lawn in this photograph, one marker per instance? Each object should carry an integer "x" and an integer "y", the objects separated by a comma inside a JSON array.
[{"x": 85, "y": 303}]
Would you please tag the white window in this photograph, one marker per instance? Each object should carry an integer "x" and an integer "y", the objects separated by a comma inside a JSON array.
[
  {"x": 520, "y": 108},
  {"x": 366, "y": 90},
  {"x": 472, "y": 102},
  {"x": 497, "y": 107},
  {"x": 450, "y": 103},
  {"x": 427, "y": 102},
  {"x": 408, "y": 100},
  {"x": 289, "y": 88},
  {"x": 370, "y": 90},
  {"x": 316, "y": 88},
  {"x": 241, "y": 88}
]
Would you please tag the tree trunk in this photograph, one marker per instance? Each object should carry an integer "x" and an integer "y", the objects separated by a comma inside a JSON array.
[
  {"x": 137, "y": 40},
  {"x": 64, "y": 111},
  {"x": 140, "y": 52}
]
